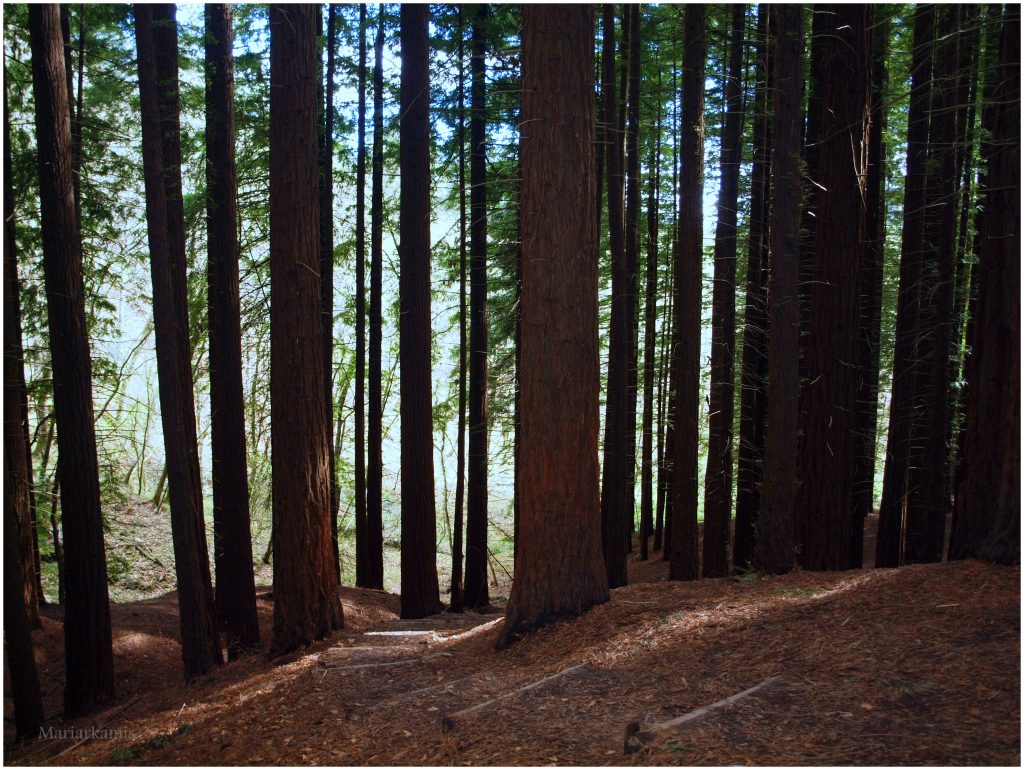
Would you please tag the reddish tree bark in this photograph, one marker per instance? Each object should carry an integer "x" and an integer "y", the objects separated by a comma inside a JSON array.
[
  {"x": 824, "y": 503},
  {"x": 156, "y": 39},
  {"x": 476, "y": 593},
  {"x": 718, "y": 476},
  {"x": 455, "y": 603},
  {"x": 306, "y": 602},
  {"x": 869, "y": 334},
  {"x": 614, "y": 470},
  {"x": 897, "y": 452},
  {"x": 419, "y": 550},
  {"x": 683, "y": 562},
  {"x": 987, "y": 523},
  {"x": 326, "y": 133},
  {"x": 16, "y": 445},
  {"x": 360, "y": 388},
  {"x": 232, "y": 540},
  {"x": 19, "y": 579},
  {"x": 88, "y": 653},
  {"x": 928, "y": 501},
  {"x": 375, "y": 408},
  {"x": 773, "y": 551},
  {"x": 755, "y": 317},
  {"x": 647, "y": 498},
  {"x": 558, "y": 463}
]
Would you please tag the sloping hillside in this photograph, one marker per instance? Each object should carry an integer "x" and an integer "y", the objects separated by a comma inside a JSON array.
[{"x": 919, "y": 665}]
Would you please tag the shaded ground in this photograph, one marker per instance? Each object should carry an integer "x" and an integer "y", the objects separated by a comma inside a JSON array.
[{"x": 919, "y": 665}]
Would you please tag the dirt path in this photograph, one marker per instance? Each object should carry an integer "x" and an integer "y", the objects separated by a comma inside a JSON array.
[{"x": 919, "y": 665}]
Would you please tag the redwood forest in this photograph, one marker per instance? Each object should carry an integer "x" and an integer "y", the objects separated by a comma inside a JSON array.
[{"x": 496, "y": 384}]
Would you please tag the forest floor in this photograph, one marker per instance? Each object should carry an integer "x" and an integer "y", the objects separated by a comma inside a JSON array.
[{"x": 918, "y": 665}]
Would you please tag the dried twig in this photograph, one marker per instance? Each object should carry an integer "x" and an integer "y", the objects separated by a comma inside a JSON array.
[
  {"x": 636, "y": 738},
  {"x": 448, "y": 722}
]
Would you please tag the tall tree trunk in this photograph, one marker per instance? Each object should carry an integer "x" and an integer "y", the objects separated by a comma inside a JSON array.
[
  {"x": 718, "y": 477},
  {"x": 773, "y": 550},
  {"x": 21, "y": 662},
  {"x": 88, "y": 653},
  {"x": 360, "y": 387},
  {"x": 232, "y": 538},
  {"x": 21, "y": 610},
  {"x": 614, "y": 471},
  {"x": 157, "y": 40},
  {"x": 306, "y": 602},
  {"x": 968, "y": 76},
  {"x": 988, "y": 495},
  {"x": 824, "y": 502},
  {"x": 662, "y": 529},
  {"x": 16, "y": 429},
  {"x": 456, "y": 603},
  {"x": 476, "y": 594},
  {"x": 821, "y": 18},
  {"x": 559, "y": 468},
  {"x": 928, "y": 501},
  {"x": 326, "y": 187},
  {"x": 755, "y": 321},
  {"x": 632, "y": 152},
  {"x": 683, "y": 563},
  {"x": 419, "y": 570},
  {"x": 647, "y": 497},
  {"x": 889, "y": 548},
  {"x": 375, "y": 409},
  {"x": 869, "y": 333},
  {"x": 664, "y": 424}
]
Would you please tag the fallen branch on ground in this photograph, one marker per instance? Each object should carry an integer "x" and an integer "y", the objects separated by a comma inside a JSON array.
[
  {"x": 421, "y": 691},
  {"x": 475, "y": 630},
  {"x": 380, "y": 664},
  {"x": 636, "y": 738},
  {"x": 448, "y": 722}
]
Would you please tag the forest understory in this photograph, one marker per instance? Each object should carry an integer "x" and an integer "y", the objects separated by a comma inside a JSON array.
[{"x": 916, "y": 665}]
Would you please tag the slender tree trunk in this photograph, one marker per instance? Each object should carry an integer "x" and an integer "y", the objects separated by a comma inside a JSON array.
[
  {"x": 718, "y": 478},
  {"x": 476, "y": 593},
  {"x": 650, "y": 336},
  {"x": 306, "y": 602},
  {"x": 456, "y": 604},
  {"x": 360, "y": 385},
  {"x": 517, "y": 397},
  {"x": 326, "y": 188},
  {"x": 21, "y": 611},
  {"x": 773, "y": 551},
  {"x": 419, "y": 570},
  {"x": 375, "y": 413},
  {"x": 824, "y": 502},
  {"x": 889, "y": 548},
  {"x": 614, "y": 471},
  {"x": 88, "y": 653},
  {"x": 928, "y": 503},
  {"x": 755, "y": 322},
  {"x": 662, "y": 529},
  {"x": 988, "y": 495},
  {"x": 869, "y": 334},
  {"x": 664, "y": 423},
  {"x": 21, "y": 662},
  {"x": 156, "y": 38},
  {"x": 18, "y": 478},
  {"x": 559, "y": 482},
  {"x": 967, "y": 97},
  {"x": 232, "y": 538},
  {"x": 632, "y": 152},
  {"x": 684, "y": 560}
]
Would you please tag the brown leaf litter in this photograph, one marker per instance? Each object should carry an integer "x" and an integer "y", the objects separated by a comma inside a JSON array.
[{"x": 919, "y": 665}]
